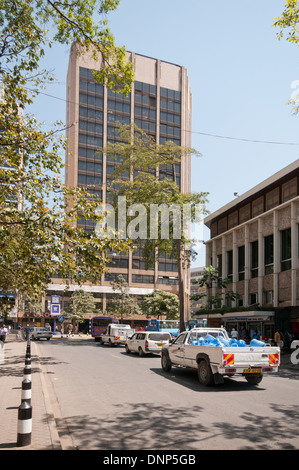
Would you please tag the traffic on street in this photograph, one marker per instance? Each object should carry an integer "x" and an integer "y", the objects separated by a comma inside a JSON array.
[{"x": 107, "y": 399}]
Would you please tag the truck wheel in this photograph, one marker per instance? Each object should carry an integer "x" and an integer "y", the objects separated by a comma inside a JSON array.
[
  {"x": 205, "y": 375},
  {"x": 110, "y": 343},
  {"x": 140, "y": 352},
  {"x": 100, "y": 340},
  {"x": 254, "y": 379},
  {"x": 165, "y": 362}
]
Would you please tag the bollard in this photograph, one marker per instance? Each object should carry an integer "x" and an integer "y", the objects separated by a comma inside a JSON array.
[
  {"x": 26, "y": 391},
  {"x": 24, "y": 424},
  {"x": 27, "y": 372}
]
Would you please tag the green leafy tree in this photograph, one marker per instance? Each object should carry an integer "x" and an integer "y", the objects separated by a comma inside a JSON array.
[
  {"x": 159, "y": 303},
  {"x": 288, "y": 24},
  {"x": 38, "y": 212},
  {"x": 209, "y": 279},
  {"x": 82, "y": 303},
  {"x": 123, "y": 303},
  {"x": 288, "y": 21},
  {"x": 142, "y": 157}
]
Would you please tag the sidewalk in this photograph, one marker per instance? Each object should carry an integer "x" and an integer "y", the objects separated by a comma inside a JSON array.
[{"x": 12, "y": 362}]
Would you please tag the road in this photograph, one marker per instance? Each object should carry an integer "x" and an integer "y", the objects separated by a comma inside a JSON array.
[{"x": 105, "y": 399}]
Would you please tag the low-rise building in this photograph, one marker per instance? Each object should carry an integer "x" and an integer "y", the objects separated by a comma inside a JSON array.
[{"x": 254, "y": 242}]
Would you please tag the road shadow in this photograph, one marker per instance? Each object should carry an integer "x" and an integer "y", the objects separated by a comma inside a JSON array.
[
  {"x": 149, "y": 426},
  {"x": 188, "y": 378}
]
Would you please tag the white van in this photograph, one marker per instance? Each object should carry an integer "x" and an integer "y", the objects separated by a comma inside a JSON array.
[
  {"x": 147, "y": 342},
  {"x": 116, "y": 334}
]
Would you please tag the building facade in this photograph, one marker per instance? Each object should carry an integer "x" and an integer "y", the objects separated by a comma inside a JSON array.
[
  {"x": 195, "y": 289},
  {"x": 160, "y": 104},
  {"x": 254, "y": 242}
]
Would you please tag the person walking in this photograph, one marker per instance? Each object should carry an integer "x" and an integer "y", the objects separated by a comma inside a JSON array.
[
  {"x": 3, "y": 333},
  {"x": 277, "y": 338},
  {"x": 27, "y": 332}
]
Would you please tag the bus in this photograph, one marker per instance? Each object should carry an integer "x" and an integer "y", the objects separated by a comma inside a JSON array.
[
  {"x": 99, "y": 326},
  {"x": 195, "y": 323},
  {"x": 169, "y": 326}
]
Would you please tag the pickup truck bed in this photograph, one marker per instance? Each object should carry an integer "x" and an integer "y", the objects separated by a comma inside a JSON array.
[{"x": 213, "y": 363}]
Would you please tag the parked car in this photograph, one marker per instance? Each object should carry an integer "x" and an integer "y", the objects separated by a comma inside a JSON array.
[
  {"x": 39, "y": 332},
  {"x": 147, "y": 342}
]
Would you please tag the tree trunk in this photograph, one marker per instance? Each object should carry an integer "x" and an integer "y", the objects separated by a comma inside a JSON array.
[{"x": 181, "y": 285}]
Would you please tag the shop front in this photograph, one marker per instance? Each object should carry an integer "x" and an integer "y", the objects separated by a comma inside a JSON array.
[{"x": 252, "y": 324}]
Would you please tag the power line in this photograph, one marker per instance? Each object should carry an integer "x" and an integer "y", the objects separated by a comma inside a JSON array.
[{"x": 240, "y": 139}]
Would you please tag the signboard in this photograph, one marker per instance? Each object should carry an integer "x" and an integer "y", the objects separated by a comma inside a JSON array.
[
  {"x": 55, "y": 309},
  {"x": 55, "y": 299}
]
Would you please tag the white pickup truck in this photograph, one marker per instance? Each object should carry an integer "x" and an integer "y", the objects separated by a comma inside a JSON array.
[
  {"x": 213, "y": 360},
  {"x": 116, "y": 334}
]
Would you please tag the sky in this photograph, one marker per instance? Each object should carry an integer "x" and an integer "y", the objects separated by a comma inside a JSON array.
[{"x": 241, "y": 78}]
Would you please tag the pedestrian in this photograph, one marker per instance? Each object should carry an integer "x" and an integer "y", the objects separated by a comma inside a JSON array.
[
  {"x": 3, "y": 333},
  {"x": 234, "y": 334},
  {"x": 277, "y": 338},
  {"x": 27, "y": 332},
  {"x": 70, "y": 329}
]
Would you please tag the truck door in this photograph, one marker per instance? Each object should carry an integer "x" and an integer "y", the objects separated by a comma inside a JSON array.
[{"x": 176, "y": 351}]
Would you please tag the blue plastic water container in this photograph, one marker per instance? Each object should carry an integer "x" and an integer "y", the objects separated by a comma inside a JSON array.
[{"x": 256, "y": 343}]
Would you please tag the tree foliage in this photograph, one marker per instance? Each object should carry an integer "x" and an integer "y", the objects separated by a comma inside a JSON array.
[
  {"x": 159, "y": 303},
  {"x": 209, "y": 279},
  {"x": 288, "y": 21},
  {"x": 82, "y": 303},
  {"x": 123, "y": 303},
  {"x": 38, "y": 212},
  {"x": 137, "y": 178}
]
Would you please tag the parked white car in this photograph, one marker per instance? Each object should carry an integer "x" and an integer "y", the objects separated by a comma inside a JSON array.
[
  {"x": 39, "y": 332},
  {"x": 147, "y": 342}
]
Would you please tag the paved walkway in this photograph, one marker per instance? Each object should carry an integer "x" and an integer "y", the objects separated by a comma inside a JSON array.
[{"x": 44, "y": 434}]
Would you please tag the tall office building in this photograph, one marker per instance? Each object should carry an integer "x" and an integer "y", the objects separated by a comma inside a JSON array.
[{"x": 160, "y": 104}]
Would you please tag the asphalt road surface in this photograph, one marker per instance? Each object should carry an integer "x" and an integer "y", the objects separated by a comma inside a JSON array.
[{"x": 105, "y": 399}]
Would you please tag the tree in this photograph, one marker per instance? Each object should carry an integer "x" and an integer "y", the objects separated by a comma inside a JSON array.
[
  {"x": 289, "y": 21},
  {"x": 123, "y": 303},
  {"x": 140, "y": 154},
  {"x": 209, "y": 279},
  {"x": 38, "y": 233},
  {"x": 82, "y": 303},
  {"x": 160, "y": 302}
]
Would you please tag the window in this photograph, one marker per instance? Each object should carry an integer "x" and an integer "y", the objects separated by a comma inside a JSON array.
[
  {"x": 254, "y": 258},
  {"x": 258, "y": 206},
  {"x": 222, "y": 225},
  {"x": 286, "y": 250},
  {"x": 219, "y": 265},
  {"x": 233, "y": 220},
  {"x": 289, "y": 190},
  {"x": 252, "y": 299},
  {"x": 230, "y": 264},
  {"x": 272, "y": 199},
  {"x": 241, "y": 263},
  {"x": 269, "y": 254},
  {"x": 244, "y": 214},
  {"x": 143, "y": 279},
  {"x": 268, "y": 296}
]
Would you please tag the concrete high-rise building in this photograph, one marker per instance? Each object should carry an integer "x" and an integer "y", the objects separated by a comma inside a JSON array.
[{"x": 160, "y": 104}]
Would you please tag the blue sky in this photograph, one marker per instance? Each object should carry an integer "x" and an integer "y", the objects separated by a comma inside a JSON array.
[{"x": 240, "y": 77}]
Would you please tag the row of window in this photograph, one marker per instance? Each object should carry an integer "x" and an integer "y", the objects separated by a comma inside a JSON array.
[
  {"x": 285, "y": 256},
  {"x": 267, "y": 201}
]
